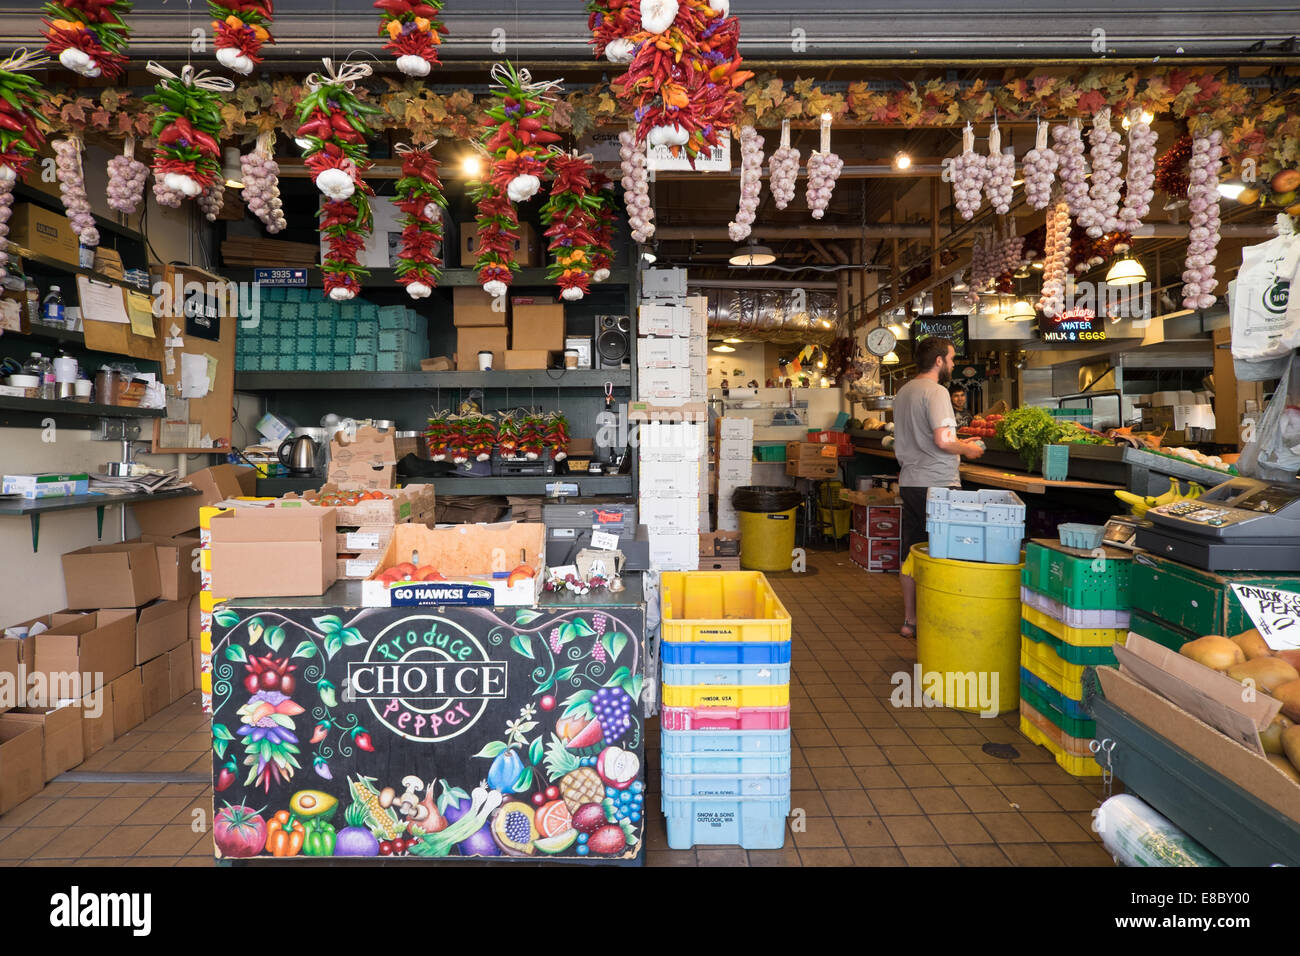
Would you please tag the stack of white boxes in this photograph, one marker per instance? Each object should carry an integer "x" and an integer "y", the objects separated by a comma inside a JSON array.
[
  {"x": 663, "y": 357},
  {"x": 670, "y": 456},
  {"x": 735, "y": 466}
]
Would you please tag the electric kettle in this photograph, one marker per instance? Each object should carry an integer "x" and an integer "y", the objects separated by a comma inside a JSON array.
[{"x": 298, "y": 455}]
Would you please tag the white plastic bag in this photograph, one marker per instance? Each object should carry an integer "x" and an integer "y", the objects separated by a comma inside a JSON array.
[
  {"x": 1274, "y": 454},
  {"x": 1261, "y": 325}
]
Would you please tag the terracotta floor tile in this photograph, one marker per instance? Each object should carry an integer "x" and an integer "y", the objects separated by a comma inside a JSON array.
[
  {"x": 71, "y": 842},
  {"x": 841, "y": 721},
  {"x": 825, "y": 857},
  {"x": 904, "y": 756},
  {"x": 812, "y": 802},
  {"x": 959, "y": 828},
  {"x": 138, "y": 789},
  {"x": 1004, "y": 774},
  {"x": 719, "y": 856},
  {"x": 1058, "y": 827},
  {"x": 946, "y": 753},
  {"x": 852, "y": 737},
  {"x": 833, "y": 705},
  {"x": 877, "y": 856},
  {"x": 197, "y": 861},
  {"x": 894, "y": 737},
  {"x": 825, "y": 757},
  {"x": 670, "y": 858},
  {"x": 99, "y": 761},
  {"x": 175, "y": 761},
  {"x": 1009, "y": 828},
  {"x": 173, "y": 840},
  {"x": 25, "y": 811},
  {"x": 797, "y": 759},
  {"x": 984, "y": 799},
  {"x": 162, "y": 741},
  {"x": 934, "y": 800},
  {"x": 1048, "y": 773},
  {"x": 922, "y": 775},
  {"x": 964, "y": 737},
  {"x": 836, "y": 778},
  {"x": 820, "y": 832},
  {"x": 25, "y": 842},
  {"x": 1030, "y": 854},
  {"x": 124, "y": 841},
  {"x": 1030, "y": 798},
  {"x": 94, "y": 789},
  {"x": 62, "y": 812},
  {"x": 1083, "y": 854},
  {"x": 928, "y": 856},
  {"x": 132, "y": 761},
  {"x": 864, "y": 831},
  {"x": 112, "y": 810},
  {"x": 980, "y": 855},
  {"x": 894, "y": 802},
  {"x": 157, "y": 810},
  {"x": 1073, "y": 797},
  {"x": 815, "y": 738},
  {"x": 198, "y": 742},
  {"x": 865, "y": 756},
  {"x": 912, "y": 831},
  {"x": 801, "y": 778},
  {"x": 963, "y": 775},
  {"x": 848, "y": 803},
  {"x": 876, "y": 778}
]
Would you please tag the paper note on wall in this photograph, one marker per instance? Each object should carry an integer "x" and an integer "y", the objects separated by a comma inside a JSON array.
[
  {"x": 1275, "y": 614},
  {"x": 101, "y": 301},
  {"x": 194, "y": 375},
  {"x": 141, "y": 312}
]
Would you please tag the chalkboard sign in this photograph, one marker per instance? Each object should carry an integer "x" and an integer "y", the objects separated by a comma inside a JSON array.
[
  {"x": 951, "y": 327},
  {"x": 432, "y": 733}
]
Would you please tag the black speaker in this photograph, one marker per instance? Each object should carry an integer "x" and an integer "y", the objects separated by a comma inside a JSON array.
[{"x": 613, "y": 340}]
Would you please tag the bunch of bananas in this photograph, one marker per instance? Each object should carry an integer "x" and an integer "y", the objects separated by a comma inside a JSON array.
[{"x": 1140, "y": 504}]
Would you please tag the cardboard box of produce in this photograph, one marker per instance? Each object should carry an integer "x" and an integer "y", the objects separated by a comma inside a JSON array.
[
  {"x": 44, "y": 233},
  {"x": 101, "y": 644},
  {"x": 536, "y": 324},
  {"x": 62, "y": 745},
  {"x": 269, "y": 552},
  {"x": 810, "y": 451},
  {"x": 180, "y": 671},
  {"x": 155, "y": 684},
  {"x": 468, "y": 557},
  {"x": 527, "y": 359},
  {"x": 128, "y": 702},
  {"x": 368, "y": 461},
  {"x": 96, "y": 721},
  {"x": 472, "y": 307},
  {"x": 159, "y": 628},
  {"x": 471, "y": 341},
  {"x": 527, "y": 251},
  {"x": 414, "y": 503},
  {"x": 111, "y": 575},
  {"x": 178, "y": 569},
  {"x": 21, "y": 765},
  {"x": 173, "y": 516}
]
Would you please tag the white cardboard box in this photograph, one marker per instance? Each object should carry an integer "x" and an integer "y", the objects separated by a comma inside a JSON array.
[
  {"x": 663, "y": 320},
  {"x": 736, "y": 451},
  {"x": 667, "y": 441},
  {"x": 663, "y": 282},
  {"x": 663, "y": 352},
  {"x": 664, "y": 385},
  {"x": 669, "y": 478},
  {"x": 675, "y": 514},
  {"x": 674, "y": 552},
  {"x": 735, "y": 472},
  {"x": 738, "y": 429}
]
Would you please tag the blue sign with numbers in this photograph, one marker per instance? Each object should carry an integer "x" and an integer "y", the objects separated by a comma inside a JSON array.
[{"x": 280, "y": 277}]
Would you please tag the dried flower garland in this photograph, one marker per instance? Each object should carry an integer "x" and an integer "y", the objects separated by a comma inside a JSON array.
[
  {"x": 969, "y": 170},
  {"x": 88, "y": 36},
  {"x": 334, "y": 131},
  {"x": 751, "y": 183},
  {"x": 414, "y": 32},
  {"x": 1040, "y": 170},
  {"x": 262, "y": 184},
  {"x": 420, "y": 198},
  {"x": 126, "y": 178},
  {"x": 1203, "y": 237},
  {"x": 240, "y": 31},
  {"x": 187, "y": 156}
]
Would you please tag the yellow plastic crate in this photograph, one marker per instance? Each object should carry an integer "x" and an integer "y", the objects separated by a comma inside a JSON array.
[
  {"x": 721, "y": 606},
  {"x": 724, "y": 695},
  {"x": 1041, "y": 661},
  {"x": 1078, "y": 636},
  {"x": 1072, "y": 754}
]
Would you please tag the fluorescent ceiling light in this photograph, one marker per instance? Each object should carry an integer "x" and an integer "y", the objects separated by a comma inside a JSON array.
[{"x": 752, "y": 255}]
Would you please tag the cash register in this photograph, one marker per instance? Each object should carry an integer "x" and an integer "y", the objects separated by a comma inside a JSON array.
[{"x": 1243, "y": 524}]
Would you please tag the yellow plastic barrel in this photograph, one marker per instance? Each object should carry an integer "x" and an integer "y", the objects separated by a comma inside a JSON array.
[
  {"x": 967, "y": 632},
  {"x": 767, "y": 540}
]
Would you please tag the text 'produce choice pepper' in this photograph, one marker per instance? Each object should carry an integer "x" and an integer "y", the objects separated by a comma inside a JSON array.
[
  {"x": 320, "y": 839},
  {"x": 285, "y": 835}
]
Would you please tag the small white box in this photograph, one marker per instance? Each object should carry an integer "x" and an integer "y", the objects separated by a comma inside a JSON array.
[
  {"x": 669, "y": 478},
  {"x": 660, "y": 384},
  {"x": 674, "y": 552},
  {"x": 736, "y": 451},
  {"x": 663, "y": 282},
  {"x": 672, "y": 441},
  {"x": 738, "y": 428},
  {"x": 735, "y": 472},
  {"x": 663, "y": 320},
  {"x": 669, "y": 514},
  {"x": 663, "y": 352}
]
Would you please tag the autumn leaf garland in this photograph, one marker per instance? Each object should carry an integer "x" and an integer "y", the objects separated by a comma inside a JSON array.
[
  {"x": 88, "y": 36},
  {"x": 240, "y": 30},
  {"x": 420, "y": 198},
  {"x": 414, "y": 33}
]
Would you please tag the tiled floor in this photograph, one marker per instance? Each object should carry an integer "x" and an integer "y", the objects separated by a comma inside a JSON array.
[{"x": 873, "y": 785}]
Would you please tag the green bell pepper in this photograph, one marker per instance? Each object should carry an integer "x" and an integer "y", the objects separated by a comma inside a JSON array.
[{"x": 320, "y": 837}]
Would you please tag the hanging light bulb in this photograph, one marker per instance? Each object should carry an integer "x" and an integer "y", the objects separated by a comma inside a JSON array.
[
  {"x": 471, "y": 166},
  {"x": 1021, "y": 311},
  {"x": 902, "y": 160},
  {"x": 1126, "y": 271}
]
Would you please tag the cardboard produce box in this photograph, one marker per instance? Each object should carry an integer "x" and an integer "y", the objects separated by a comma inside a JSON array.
[
  {"x": 44, "y": 233},
  {"x": 61, "y": 738},
  {"x": 272, "y": 552},
  {"x": 128, "y": 702},
  {"x": 822, "y": 468},
  {"x": 111, "y": 575},
  {"x": 101, "y": 644},
  {"x": 155, "y": 684},
  {"x": 178, "y": 570},
  {"x": 472, "y": 307},
  {"x": 174, "y": 516},
  {"x": 515, "y": 359},
  {"x": 536, "y": 323},
  {"x": 368, "y": 461},
  {"x": 96, "y": 721},
  {"x": 414, "y": 503},
  {"x": 159, "y": 628},
  {"x": 527, "y": 250},
  {"x": 470, "y": 558},
  {"x": 22, "y": 769},
  {"x": 471, "y": 341},
  {"x": 180, "y": 671}
]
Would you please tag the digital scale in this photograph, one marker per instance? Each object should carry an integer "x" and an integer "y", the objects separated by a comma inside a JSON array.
[
  {"x": 1241, "y": 525},
  {"x": 1121, "y": 532}
]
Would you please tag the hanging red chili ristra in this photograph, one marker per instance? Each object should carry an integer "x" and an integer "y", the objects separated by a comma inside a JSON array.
[
  {"x": 570, "y": 217},
  {"x": 414, "y": 33},
  {"x": 89, "y": 37},
  {"x": 420, "y": 198},
  {"x": 240, "y": 31},
  {"x": 187, "y": 156}
]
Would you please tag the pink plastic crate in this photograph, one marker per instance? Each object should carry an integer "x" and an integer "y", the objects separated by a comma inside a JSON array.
[{"x": 724, "y": 718}]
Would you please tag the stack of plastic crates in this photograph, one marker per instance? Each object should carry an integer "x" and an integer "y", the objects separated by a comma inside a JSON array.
[
  {"x": 1074, "y": 610},
  {"x": 725, "y": 722},
  {"x": 985, "y": 526}
]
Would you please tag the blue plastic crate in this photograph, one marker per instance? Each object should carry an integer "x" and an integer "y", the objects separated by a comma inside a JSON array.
[
  {"x": 1067, "y": 705},
  {"x": 725, "y": 652},
  {"x": 368, "y": 329},
  {"x": 714, "y": 675},
  {"x": 723, "y": 763},
  {"x": 990, "y": 544},
  {"x": 726, "y": 785},
  {"x": 724, "y": 741},
  {"x": 990, "y": 506},
  {"x": 753, "y": 823}
]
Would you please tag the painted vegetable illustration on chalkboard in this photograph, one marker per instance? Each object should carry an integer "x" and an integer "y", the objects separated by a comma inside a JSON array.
[{"x": 238, "y": 831}]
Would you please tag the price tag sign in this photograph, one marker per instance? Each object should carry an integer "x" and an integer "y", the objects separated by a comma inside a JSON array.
[
  {"x": 280, "y": 277},
  {"x": 1275, "y": 614},
  {"x": 604, "y": 541}
]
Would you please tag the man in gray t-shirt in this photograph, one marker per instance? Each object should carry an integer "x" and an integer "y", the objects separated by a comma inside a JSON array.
[{"x": 928, "y": 452}]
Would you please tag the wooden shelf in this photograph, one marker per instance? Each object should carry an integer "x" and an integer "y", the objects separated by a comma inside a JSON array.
[
  {"x": 33, "y": 508},
  {"x": 524, "y": 378},
  {"x": 56, "y": 265}
]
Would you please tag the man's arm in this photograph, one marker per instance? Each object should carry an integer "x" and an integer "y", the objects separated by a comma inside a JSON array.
[{"x": 945, "y": 436}]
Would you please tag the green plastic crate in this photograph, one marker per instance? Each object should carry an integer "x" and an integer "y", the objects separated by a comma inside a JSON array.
[
  {"x": 368, "y": 311},
  {"x": 368, "y": 329},
  {"x": 392, "y": 317},
  {"x": 362, "y": 363},
  {"x": 1200, "y": 602},
  {"x": 331, "y": 363},
  {"x": 1074, "y": 726},
  {"x": 769, "y": 452},
  {"x": 299, "y": 294},
  {"x": 1156, "y": 630},
  {"x": 307, "y": 345},
  {"x": 392, "y": 341},
  {"x": 289, "y": 310},
  {"x": 271, "y": 293},
  {"x": 341, "y": 346},
  {"x": 287, "y": 346},
  {"x": 271, "y": 310},
  {"x": 1068, "y": 652},
  {"x": 1074, "y": 581},
  {"x": 346, "y": 328},
  {"x": 366, "y": 346},
  {"x": 324, "y": 328}
]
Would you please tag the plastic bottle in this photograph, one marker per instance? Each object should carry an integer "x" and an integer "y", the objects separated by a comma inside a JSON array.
[
  {"x": 38, "y": 365},
  {"x": 32, "y": 301},
  {"x": 52, "y": 307}
]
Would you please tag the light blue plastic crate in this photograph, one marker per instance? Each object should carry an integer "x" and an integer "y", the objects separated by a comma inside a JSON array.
[
  {"x": 286, "y": 346},
  {"x": 290, "y": 309},
  {"x": 268, "y": 328},
  {"x": 298, "y": 295},
  {"x": 725, "y": 741},
  {"x": 990, "y": 506},
  {"x": 271, "y": 293},
  {"x": 362, "y": 363},
  {"x": 713, "y": 675},
  {"x": 1083, "y": 537},
  {"x": 309, "y": 363},
  {"x": 392, "y": 317},
  {"x": 753, "y": 823},
  {"x": 726, "y": 785},
  {"x": 1056, "y": 462},
  {"x": 270, "y": 310},
  {"x": 367, "y": 310},
  {"x": 307, "y": 345},
  {"x": 725, "y": 652},
  {"x": 965, "y": 541},
  {"x": 722, "y": 763},
  {"x": 325, "y": 327},
  {"x": 367, "y": 328}
]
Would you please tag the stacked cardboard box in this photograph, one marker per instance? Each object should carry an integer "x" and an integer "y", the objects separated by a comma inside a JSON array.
[
  {"x": 670, "y": 456},
  {"x": 482, "y": 325},
  {"x": 735, "y": 466},
  {"x": 875, "y": 537},
  {"x": 670, "y": 355},
  {"x": 809, "y": 459},
  {"x": 297, "y": 330}
]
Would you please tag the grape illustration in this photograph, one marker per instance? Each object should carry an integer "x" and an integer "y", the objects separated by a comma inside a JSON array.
[
  {"x": 598, "y": 651},
  {"x": 555, "y": 640},
  {"x": 600, "y": 623},
  {"x": 613, "y": 708}
]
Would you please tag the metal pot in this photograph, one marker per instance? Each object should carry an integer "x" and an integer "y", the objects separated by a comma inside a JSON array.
[{"x": 879, "y": 403}]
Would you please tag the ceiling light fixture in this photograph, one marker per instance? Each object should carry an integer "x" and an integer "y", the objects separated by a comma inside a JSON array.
[
  {"x": 1037, "y": 263},
  {"x": 231, "y": 171},
  {"x": 890, "y": 359},
  {"x": 752, "y": 255},
  {"x": 902, "y": 160},
  {"x": 1126, "y": 271},
  {"x": 733, "y": 341},
  {"x": 471, "y": 166},
  {"x": 960, "y": 284},
  {"x": 723, "y": 348},
  {"x": 1021, "y": 311},
  {"x": 648, "y": 256}
]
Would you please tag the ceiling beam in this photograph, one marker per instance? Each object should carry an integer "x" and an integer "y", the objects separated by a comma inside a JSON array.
[
  {"x": 871, "y": 230},
  {"x": 919, "y": 288}
]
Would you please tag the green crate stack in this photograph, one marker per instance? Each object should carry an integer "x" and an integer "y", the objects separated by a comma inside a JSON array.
[
  {"x": 273, "y": 293},
  {"x": 392, "y": 317},
  {"x": 299, "y": 295},
  {"x": 362, "y": 363}
]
